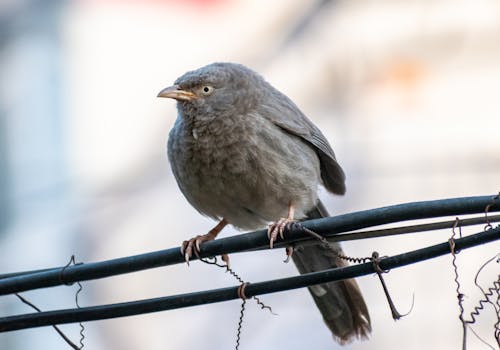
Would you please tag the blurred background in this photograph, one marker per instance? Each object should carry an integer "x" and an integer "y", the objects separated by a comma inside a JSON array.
[{"x": 406, "y": 91}]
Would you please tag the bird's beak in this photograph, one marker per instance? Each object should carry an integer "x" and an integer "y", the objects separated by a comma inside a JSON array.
[{"x": 177, "y": 93}]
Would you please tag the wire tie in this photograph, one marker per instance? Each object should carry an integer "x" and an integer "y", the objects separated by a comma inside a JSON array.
[{"x": 241, "y": 291}]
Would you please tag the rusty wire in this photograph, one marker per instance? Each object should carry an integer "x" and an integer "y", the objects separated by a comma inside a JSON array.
[
  {"x": 57, "y": 329},
  {"x": 488, "y": 294},
  {"x": 72, "y": 261},
  {"x": 241, "y": 294},
  {"x": 374, "y": 259},
  {"x": 495, "y": 288}
]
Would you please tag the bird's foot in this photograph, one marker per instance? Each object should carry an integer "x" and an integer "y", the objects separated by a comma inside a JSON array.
[
  {"x": 289, "y": 252},
  {"x": 225, "y": 258},
  {"x": 193, "y": 245},
  {"x": 278, "y": 228}
]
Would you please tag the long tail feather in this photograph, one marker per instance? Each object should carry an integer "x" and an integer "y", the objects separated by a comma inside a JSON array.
[{"x": 341, "y": 303}]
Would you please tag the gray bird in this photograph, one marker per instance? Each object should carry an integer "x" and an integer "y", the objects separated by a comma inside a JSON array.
[{"x": 244, "y": 154}]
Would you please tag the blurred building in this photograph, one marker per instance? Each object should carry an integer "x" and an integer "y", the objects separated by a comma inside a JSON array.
[{"x": 405, "y": 90}]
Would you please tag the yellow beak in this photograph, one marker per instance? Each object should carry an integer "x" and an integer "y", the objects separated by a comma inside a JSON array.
[{"x": 177, "y": 93}]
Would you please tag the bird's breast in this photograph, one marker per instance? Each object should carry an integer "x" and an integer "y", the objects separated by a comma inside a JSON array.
[{"x": 243, "y": 168}]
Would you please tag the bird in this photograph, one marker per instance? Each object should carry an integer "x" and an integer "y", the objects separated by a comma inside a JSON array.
[{"x": 244, "y": 154}]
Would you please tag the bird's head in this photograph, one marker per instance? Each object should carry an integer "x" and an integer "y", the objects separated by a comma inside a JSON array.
[{"x": 216, "y": 89}]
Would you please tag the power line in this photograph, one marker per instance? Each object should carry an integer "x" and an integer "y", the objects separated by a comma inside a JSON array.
[
  {"x": 224, "y": 294},
  {"x": 250, "y": 241}
]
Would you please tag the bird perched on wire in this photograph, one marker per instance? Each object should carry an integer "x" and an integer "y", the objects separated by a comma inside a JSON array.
[{"x": 244, "y": 154}]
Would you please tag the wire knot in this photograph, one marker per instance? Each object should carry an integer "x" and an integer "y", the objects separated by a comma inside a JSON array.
[
  {"x": 376, "y": 263},
  {"x": 62, "y": 279},
  {"x": 241, "y": 291}
]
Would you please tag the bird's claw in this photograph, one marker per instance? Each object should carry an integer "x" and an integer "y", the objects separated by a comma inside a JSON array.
[
  {"x": 289, "y": 252},
  {"x": 193, "y": 246},
  {"x": 225, "y": 258},
  {"x": 277, "y": 228},
  {"x": 197, "y": 244}
]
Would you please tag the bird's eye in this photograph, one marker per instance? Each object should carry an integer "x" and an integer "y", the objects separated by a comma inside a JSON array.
[{"x": 207, "y": 90}]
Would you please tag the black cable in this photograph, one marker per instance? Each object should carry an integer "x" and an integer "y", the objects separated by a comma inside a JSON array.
[
  {"x": 251, "y": 241},
  {"x": 101, "y": 312}
]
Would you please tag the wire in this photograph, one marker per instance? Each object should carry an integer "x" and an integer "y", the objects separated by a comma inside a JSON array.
[
  {"x": 101, "y": 312},
  {"x": 251, "y": 241}
]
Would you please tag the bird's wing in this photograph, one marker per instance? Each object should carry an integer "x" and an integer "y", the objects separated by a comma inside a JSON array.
[{"x": 286, "y": 115}]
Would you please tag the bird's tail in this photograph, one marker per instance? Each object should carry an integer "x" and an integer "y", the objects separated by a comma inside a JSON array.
[{"x": 341, "y": 303}]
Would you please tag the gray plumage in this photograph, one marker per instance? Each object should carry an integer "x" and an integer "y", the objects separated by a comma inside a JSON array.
[{"x": 241, "y": 150}]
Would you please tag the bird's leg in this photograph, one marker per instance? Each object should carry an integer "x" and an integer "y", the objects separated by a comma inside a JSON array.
[
  {"x": 279, "y": 226},
  {"x": 193, "y": 245}
]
